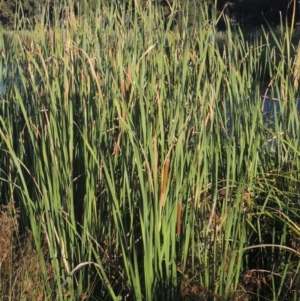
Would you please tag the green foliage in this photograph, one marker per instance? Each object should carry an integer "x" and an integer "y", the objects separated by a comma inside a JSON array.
[
  {"x": 12, "y": 10},
  {"x": 250, "y": 12},
  {"x": 7, "y": 9},
  {"x": 143, "y": 161}
]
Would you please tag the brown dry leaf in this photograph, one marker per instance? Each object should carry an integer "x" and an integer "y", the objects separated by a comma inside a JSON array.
[{"x": 39, "y": 297}]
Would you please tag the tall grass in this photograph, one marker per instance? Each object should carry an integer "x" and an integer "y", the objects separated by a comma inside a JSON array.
[{"x": 144, "y": 161}]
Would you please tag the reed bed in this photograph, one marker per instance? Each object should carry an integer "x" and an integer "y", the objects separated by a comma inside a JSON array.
[{"x": 150, "y": 162}]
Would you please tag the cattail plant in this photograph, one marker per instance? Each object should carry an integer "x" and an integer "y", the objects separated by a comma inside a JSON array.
[{"x": 144, "y": 161}]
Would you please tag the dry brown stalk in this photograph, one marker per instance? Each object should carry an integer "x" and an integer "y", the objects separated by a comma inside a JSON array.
[
  {"x": 296, "y": 74},
  {"x": 164, "y": 182}
]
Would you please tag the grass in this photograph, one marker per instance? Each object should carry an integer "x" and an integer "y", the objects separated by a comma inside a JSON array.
[{"x": 138, "y": 159}]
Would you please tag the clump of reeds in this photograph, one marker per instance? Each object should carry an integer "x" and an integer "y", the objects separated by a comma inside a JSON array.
[{"x": 145, "y": 160}]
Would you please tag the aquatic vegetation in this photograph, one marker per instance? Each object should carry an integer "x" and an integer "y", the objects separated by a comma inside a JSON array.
[{"x": 143, "y": 168}]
